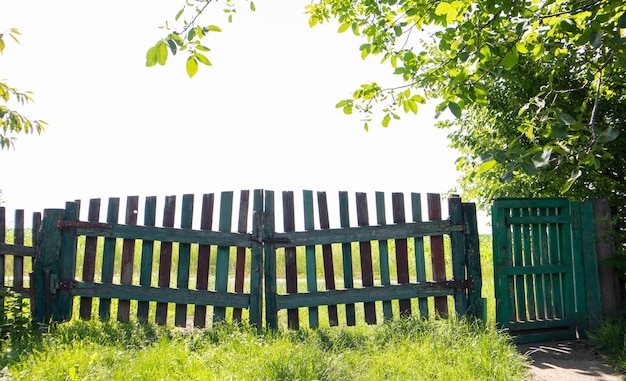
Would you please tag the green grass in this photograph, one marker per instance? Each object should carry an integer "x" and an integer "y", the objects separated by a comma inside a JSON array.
[
  {"x": 406, "y": 349},
  {"x": 611, "y": 338}
]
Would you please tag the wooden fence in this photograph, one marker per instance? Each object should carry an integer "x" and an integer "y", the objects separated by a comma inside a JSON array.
[{"x": 328, "y": 275}]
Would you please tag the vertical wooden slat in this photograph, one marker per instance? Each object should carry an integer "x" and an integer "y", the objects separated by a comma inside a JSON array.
[
  {"x": 327, "y": 257},
  {"x": 223, "y": 252},
  {"x": 365, "y": 250},
  {"x": 128, "y": 258},
  {"x": 108, "y": 257},
  {"x": 291, "y": 269},
  {"x": 418, "y": 243},
  {"x": 147, "y": 256},
  {"x": 18, "y": 261},
  {"x": 402, "y": 251},
  {"x": 474, "y": 272},
  {"x": 311, "y": 269},
  {"x": 580, "y": 283},
  {"x": 519, "y": 240},
  {"x": 566, "y": 257},
  {"x": 346, "y": 250},
  {"x": 603, "y": 246},
  {"x": 271, "y": 310},
  {"x": 501, "y": 260},
  {"x": 165, "y": 259},
  {"x": 554, "y": 259},
  {"x": 529, "y": 279},
  {"x": 184, "y": 260},
  {"x": 457, "y": 249},
  {"x": 66, "y": 266},
  {"x": 240, "y": 264},
  {"x": 89, "y": 262},
  {"x": 256, "y": 262},
  {"x": 383, "y": 253},
  {"x": 437, "y": 252},
  {"x": 540, "y": 255},
  {"x": 36, "y": 242},
  {"x": 204, "y": 257}
]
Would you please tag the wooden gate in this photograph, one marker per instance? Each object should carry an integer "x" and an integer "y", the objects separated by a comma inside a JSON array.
[{"x": 546, "y": 282}]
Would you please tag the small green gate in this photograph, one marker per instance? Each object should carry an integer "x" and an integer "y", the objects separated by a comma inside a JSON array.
[{"x": 546, "y": 282}]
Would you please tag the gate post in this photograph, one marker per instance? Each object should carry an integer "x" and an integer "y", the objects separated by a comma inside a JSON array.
[
  {"x": 66, "y": 266},
  {"x": 476, "y": 303},
  {"x": 605, "y": 250},
  {"x": 43, "y": 266}
]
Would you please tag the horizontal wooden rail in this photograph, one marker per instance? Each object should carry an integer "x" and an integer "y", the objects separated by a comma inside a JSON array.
[
  {"x": 537, "y": 270},
  {"x": 164, "y": 295},
  {"x": 17, "y": 250},
  {"x": 541, "y": 324},
  {"x": 365, "y": 233},
  {"x": 562, "y": 219},
  {"x": 202, "y": 237},
  {"x": 368, "y": 294},
  {"x": 518, "y": 203}
]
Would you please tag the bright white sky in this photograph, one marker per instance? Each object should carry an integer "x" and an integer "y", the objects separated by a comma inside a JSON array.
[{"x": 262, "y": 116}]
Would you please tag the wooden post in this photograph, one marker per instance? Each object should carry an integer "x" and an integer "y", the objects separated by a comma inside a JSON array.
[
  {"x": 605, "y": 249},
  {"x": 43, "y": 265},
  {"x": 459, "y": 259},
  {"x": 66, "y": 266},
  {"x": 271, "y": 311},
  {"x": 472, "y": 254},
  {"x": 256, "y": 263}
]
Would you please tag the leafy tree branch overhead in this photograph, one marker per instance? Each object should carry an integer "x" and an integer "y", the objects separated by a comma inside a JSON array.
[
  {"x": 11, "y": 121},
  {"x": 528, "y": 82}
]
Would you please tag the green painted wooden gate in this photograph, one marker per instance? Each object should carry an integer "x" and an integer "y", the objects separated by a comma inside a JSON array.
[{"x": 546, "y": 283}]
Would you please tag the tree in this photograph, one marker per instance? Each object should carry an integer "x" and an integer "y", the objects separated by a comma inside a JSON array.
[
  {"x": 533, "y": 84},
  {"x": 11, "y": 121}
]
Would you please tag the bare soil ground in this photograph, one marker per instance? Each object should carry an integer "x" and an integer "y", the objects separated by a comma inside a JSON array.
[{"x": 568, "y": 361}]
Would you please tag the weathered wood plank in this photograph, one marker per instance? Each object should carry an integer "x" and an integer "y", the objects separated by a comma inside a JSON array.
[
  {"x": 89, "y": 262},
  {"x": 527, "y": 219},
  {"x": 518, "y": 280},
  {"x": 457, "y": 250},
  {"x": 501, "y": 260},
  {"x": 165, "y": 259},
  {"x": 22, "y": 251},
  {"x": 311, "y": 265},
  {"x": 418, "y": 243},
  {"x": 369, "y": 294},
  {"x": 108, "y": 257},
  {"x": 528, "y": 261},
  {"x": 554, "y": 254},
  {"x": 147, "y": 256},
  {"x": 365, "y": 233},
  {"x": 383, "y": 254},
  {"x": 537, "y": 270},
  {"x": 365, "y": 251},
  {"x": 537, "y": 259},
  {"x": 204, "y": 258},
  {"x": 223, "y": 252},
  {"x": 532, "y": 203},
  {"x": 437, "y": 252},
  {"x": 18, "y": 239},
  {"x": 474, "y": 272},
  {"x": 184, "y": 260},
  {"x": 327, "y": 257},
  {"x": 291, "y": 268},
  {"x": 402, "y": 251},
  {"x": 604, "y": 246},
  {"x": 240, "y": 261},
  {"x": 271, "y": 311},
  {"x": 128, "y": 258},
  {"x": 168, "y": 234},
  {"x": 346, "y": 251},
  {"x": 161, "y": 295},
  {"x": 256, "y": 262},
  {"x": 61, "y": 306}
]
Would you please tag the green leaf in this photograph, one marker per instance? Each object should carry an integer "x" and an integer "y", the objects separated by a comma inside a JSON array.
[
  {"x": 442, "y": 8},
  {"x": 542, "y": 159},
  {"x": 595, "y": 38},
  {"x": 455, "y": 109},
  {"x": 343, "y": 27},
  {"x": 180, "y": 13},
  {"x": 173, "y": 46},
  {"x": 151, "y": 56},
  {"x": 386, "y": 120},
  {"x": 202, "y": 58},
  {"x": 191, "y": 66},
  {"x": 161, "y": 52},
  {"x": 486, "y": 166},
  {"x": 521, "y": 47},
  {"x": 214, "y": 28},
  {"x": 572, "y": 179},
  {"x": 609, "y": 134},
  {"x": 566, "y": 119},
  {"x": 510, "y": 59},
  {"x": 202, "y": 48},
  {"x": 252, "y": 6},
  {"x": 1, "y": 44},
  {"x": 621, "y": 22}
]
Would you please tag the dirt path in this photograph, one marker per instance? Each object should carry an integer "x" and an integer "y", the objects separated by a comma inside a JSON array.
[{"x": 568, "y": 361}]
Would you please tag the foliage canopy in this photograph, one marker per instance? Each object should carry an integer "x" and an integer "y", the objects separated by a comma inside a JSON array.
[{"x": 536, "y": 87}]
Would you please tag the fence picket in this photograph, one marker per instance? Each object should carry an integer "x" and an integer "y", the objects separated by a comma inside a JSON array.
[
  {"x": 128, "y": 258},
  {"x": 418, "y": 244},
  {"x": 165, "y": 259},
  {"x": 402, "y": 251},
  {"x": 365, "y": 251},
  {"x": 108, "y": 258},
  {"x": 89, "y": 259},
  {"x": 147, "y": 256},
  {"x": 240, "y": 261},
  {"x": 346, "y": 250},
  {"x": 383, "y": 254},
  {"x": 311, "y": 269},
  {"x": 437, "y": 252},
  {"x": 327, "y": 257},
  {"x": 223, "y": 252},
  {"x": 18, "y": 260},
  {"x": 291, "y": 268},
  {"x": 204, "y": 258},
  {"x": 184, "y": 260}
]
